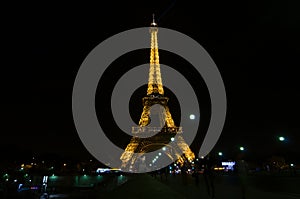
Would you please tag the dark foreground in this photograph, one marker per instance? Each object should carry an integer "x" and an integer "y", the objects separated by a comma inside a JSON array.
[
  {"x": 177, "y": 186},
  {"x": 226, "y": 187}
]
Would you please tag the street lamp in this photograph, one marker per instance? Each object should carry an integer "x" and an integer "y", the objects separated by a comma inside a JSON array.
[
  {"x": 281, "y": 139},
  {"x": 220, "y": 153},
  {"x": 242, "y": 148}
]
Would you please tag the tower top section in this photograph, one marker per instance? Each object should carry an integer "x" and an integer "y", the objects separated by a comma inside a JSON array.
[
  {"x": 155, "y": 86},
  {"x": 153, "y": 24}
]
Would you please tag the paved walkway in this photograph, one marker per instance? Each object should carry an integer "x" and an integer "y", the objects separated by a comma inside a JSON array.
[
  {"x": 226, "y": 187},
  {"x": 144, "y": 186}
]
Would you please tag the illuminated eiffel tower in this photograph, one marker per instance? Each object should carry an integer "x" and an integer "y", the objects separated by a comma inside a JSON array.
[{"x": 179, "y": 151}]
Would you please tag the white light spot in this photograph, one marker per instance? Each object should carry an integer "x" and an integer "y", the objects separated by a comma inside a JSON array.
[
  {"x": 192, "y": 116},
  {"x": 281, "y": 138}
]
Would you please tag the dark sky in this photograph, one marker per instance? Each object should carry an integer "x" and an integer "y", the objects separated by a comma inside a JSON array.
[{"x": 255, "y": 46}]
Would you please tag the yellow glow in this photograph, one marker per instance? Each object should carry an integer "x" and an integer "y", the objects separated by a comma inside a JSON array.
[
  {"x": 154, "y": 82},
  {"x": 155, "y": 87},
  {"x": 218, "y": 168}
]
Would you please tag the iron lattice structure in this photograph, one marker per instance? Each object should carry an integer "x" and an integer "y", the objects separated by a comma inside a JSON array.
[{"x": 179, "y": 150}]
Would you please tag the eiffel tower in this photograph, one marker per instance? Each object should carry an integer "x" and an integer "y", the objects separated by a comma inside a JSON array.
[{"x": 166, "y": 131}]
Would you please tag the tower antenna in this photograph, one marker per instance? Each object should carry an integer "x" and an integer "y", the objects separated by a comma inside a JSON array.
[{"x": 153, "y": 20}]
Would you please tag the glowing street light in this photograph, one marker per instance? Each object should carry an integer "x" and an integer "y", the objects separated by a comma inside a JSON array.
[
  {"x": 220, "y": 153},
  {"x": 242, "y": 148},
  {"x": 281, "y": 138}
]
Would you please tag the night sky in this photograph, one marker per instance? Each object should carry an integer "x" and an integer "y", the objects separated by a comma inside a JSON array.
[{"x": 255, "y": 46}]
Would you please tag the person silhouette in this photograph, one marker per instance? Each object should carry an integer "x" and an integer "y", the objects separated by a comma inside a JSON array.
[
  {"x": 208, "y": 175},
  {"x": 196, "y": 174},
  {"x": 242, "y": 171},
  {"x": 184, "y": 169}
]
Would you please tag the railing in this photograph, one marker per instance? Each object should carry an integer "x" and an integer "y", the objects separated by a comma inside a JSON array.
[{"x": 154, "y": 130}]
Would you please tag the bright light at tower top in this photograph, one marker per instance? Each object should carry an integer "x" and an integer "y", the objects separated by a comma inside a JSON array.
[{"x": 153, "y": 21}]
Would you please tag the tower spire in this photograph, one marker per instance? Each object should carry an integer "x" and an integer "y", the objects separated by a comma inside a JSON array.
[
  {"x": 155, "y": 86},
  {"x": 153, "y": 20}
]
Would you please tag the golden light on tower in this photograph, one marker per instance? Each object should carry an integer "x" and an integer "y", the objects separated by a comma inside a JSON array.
[
  {"x": 167, "y": 129},
  {"x": 155, "y": 83}
]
